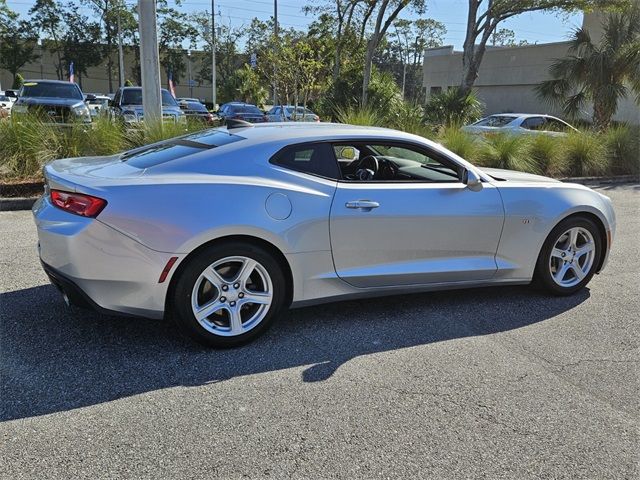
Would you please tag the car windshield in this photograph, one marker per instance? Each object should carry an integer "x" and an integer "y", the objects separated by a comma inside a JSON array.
[
  {"x": 133, "y": 96},
  {"x": 495, "y": 121},
  {"x": 245, "y": 109},
  {"x": 48, "y": 89},
  {"x": 98, "y": 101}
]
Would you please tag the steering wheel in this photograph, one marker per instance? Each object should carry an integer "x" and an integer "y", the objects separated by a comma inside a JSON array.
[{"x": 367, "y": 168}]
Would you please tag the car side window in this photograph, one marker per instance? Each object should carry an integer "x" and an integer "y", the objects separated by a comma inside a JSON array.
[
  {"x": 312, "y": 158},
  {"x": 533, "y": 123},
  {"x": 554, "y": 125},
  {"x": 393, "y": 162},
  {"x": 116, "y": 98}
]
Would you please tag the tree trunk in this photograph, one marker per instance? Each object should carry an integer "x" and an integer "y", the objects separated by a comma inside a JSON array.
[
  {"x": 601, "y": 114},
  {"x": 368, "y": 61}
]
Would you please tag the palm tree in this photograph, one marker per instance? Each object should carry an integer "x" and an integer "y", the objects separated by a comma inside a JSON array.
[{"x": 601, "y": 73}]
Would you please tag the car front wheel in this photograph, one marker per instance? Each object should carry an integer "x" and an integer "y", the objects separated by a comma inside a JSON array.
[
  {"x": 569, "y": 256},
  {"x": 229, "y": 294}
]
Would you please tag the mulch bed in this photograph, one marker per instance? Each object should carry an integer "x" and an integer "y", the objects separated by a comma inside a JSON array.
[{"x": 21, "y": 188}]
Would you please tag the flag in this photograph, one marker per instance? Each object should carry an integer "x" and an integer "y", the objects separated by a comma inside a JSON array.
[
  {"x": 172, "y": 86},
  {"x": 72, "y": 77}
]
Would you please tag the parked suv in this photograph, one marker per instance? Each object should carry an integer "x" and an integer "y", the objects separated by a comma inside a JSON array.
[
  {"x": 126, "y": 107},
  {"x": 54, "y": 101}
]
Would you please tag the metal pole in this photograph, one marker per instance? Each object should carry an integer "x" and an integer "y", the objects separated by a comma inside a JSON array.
[
  {"x": 190, "y": 80},
  {"x": 120, "y": 52},
  {"x": 150, "y": 62},
  {"x": 213, "y": 54},
  {"x": 276, "y": 45}
]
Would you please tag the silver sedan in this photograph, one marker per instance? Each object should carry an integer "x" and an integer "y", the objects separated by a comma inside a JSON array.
[{"x": 222, "y": 229}]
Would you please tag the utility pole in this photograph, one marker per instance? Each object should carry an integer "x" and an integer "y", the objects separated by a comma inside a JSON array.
[
  {"x": 213, "y": 54},
  {"x": 276, "y": 48},
  {"x": 150, "y": 63},
  {"x": 120, "y": 52}
]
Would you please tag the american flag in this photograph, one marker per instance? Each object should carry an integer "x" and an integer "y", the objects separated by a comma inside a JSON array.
[
  {"x": 72, "y": 77},
  {"x": 172, "y": 86}
]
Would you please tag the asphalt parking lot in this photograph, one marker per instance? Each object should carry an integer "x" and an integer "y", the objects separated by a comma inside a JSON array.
[{"x": 486, "y": 383}]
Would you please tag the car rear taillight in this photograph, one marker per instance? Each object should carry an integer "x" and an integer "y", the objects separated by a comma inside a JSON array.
[{"x": 78, "y": 203}]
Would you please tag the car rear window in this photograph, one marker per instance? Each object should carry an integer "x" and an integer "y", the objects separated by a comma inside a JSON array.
[
  {"x": 245, "y": 109},
  {"x": 497, "y": 121},
  {"x": 175, "y": 148}
]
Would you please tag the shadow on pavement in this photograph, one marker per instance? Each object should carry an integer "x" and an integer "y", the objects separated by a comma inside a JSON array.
[{"x": 56, "y": 359}]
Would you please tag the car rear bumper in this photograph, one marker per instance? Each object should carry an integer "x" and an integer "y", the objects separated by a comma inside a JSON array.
[{"x": 99, "y": 267}]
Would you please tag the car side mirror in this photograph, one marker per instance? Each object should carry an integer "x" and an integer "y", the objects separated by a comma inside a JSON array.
[{"x": 471, "y": 180}]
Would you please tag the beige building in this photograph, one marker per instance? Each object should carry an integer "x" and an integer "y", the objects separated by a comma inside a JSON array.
[
  {"x": 508, "y": 75},
  {"x": 96, "y": 80}
]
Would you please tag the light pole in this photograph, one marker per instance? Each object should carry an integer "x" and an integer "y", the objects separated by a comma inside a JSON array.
[
  {"x": 120, "y": 52},
  {"x": 150, "y": 63},
  {"x": 213, "y": 54},
  {"x": 275, "y": 47}
]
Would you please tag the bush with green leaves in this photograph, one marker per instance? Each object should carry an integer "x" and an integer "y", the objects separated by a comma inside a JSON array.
[
  {"x": 547, "y": 153},
  {"x": 30, "y": 143},
  {"x": 585, "y": 154},
  {"x": 453, "y": 107},
  {"x": 501, "y": 150},
  {"x": 461, "y": 143},
  {"x": 623, "y": 144}
]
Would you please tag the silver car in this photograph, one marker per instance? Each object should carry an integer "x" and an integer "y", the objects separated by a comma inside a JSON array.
[
  {"x": 520, "y": 124},
  {"x": 222, "y": 229}
]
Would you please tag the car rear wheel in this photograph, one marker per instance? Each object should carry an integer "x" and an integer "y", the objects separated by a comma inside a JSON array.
[
  {"x": 569, "y": 256},
  {"x": 229, "y": 294}
]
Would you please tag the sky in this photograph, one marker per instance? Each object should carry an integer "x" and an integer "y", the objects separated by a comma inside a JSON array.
[{"x": 538, "y": 27}]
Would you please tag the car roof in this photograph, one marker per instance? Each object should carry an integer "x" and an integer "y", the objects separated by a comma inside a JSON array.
[
  {"x": 48, "y": 81},
  {"x": 522, "y": 115},
  {"x": 310, "y": 132}
]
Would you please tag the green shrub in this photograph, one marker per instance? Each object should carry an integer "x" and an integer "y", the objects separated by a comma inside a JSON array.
[
  {"x": 357, "y": 115},
  {"x": 623, "y": 145},
  {"x": 506, "y": 151},
  {"x": 407, "y": 117},
  {"x": 28, "y": 144},
  {"x": 459, "y": 142},
  {"x": 547, "y": 153},
  {"x": 584, "y": 154},
  {"x": 452, "y": 107}
]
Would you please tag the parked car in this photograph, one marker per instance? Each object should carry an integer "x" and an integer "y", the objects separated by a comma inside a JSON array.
[
  {"x": 224, "y": 228},
  {"x": 520, "y": 124},
  {"x": 197, "y": 111},
  {"x": 98, "y": 104},
  {"x": 6, "y": 104},
  {"x": 54, "y": 101},
  {"x": 11, "y": 94},
  {"x": 291, "y": 113},
  {"x": 126, "y": 107},
  {"x": 185, "y": 99},
  {"x": 241, "y": 111}
]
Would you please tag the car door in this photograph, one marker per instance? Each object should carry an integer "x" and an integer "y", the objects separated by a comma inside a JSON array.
[{"x": 387, "y": 232}]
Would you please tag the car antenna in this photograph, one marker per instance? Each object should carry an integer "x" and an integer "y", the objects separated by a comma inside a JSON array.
[{"x": 237, "y": 123}]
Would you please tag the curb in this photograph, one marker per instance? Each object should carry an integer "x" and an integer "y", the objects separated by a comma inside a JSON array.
[
  {"x": 602, "y": 180},
  {"x": 18, "y": 203}
]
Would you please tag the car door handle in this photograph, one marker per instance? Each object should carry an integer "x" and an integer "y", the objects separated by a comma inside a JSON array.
[{"x": 362, "y": 204}]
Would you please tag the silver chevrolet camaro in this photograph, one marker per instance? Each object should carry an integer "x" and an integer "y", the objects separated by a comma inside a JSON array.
[{"x": 222, "y": 229}]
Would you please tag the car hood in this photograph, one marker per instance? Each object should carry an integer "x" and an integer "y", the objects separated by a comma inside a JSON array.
[
  {"x": 515, "y": 176},
  {"x": 50, "y": 101}
]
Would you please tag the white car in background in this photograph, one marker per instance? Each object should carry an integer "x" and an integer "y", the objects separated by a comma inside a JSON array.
[
  {"x": 520, "y": 124},
  {"x": 98, "y": 104},
  {"x": 6, "y": 103},
  {"x": 290, "y": 113}
]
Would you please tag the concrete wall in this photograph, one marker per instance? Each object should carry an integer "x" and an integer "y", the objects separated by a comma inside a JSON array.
[
  {"x": 508, "y": 75},
  {"x": 96, "y": 80}
]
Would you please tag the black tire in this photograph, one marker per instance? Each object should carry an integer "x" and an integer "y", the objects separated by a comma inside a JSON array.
[
  {"x": 543, "y": 277},
  {"x": 181, "y": 299}
]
